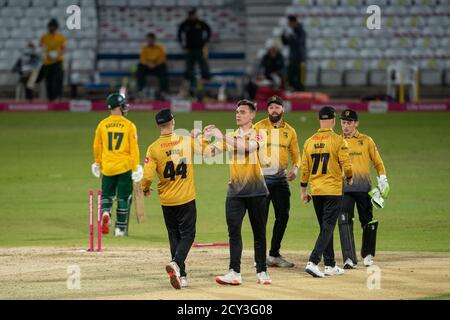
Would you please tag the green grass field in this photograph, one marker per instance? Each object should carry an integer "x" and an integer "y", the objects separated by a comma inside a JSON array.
[{"x": 46, "y": 175}]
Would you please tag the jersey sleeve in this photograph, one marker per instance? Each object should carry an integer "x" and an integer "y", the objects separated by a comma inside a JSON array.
[
  {"x": 134, "y": 147},
  {"x": 376, "y": 158},
  {"x": 149, "y": 170},
  {"x": 294, "y": 150},
  {"x": 344, "y": 158},
  {"x": 305, "y": 170},
  {"x": 98, "y": 145}
]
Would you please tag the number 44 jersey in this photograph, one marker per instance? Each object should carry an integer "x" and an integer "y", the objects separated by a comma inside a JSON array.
[
  {"x": 171, "y": 156},
  {"x": 325, "y": 157},
  {"x": 116, "y": 145}
]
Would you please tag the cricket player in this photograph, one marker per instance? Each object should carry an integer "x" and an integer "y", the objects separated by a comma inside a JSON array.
[
  {"x": 363, "y": 153},
  {"x": 53, "y": 44},
  {"x": 282, "y": 139},
  {"x": 247, "y": 191},
  {"x": 116, "y": 155},
  {"x": 171, "y": 157},
  {"x": 325, "y": 157}
]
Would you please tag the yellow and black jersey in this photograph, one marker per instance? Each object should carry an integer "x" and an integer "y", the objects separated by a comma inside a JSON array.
[
  {"x": 53, "y": 45},
  {"x": 171, "y": 156},
  {"x": 325, "y": 157},
  {"x": 246, "y": 176},
  {"x": 116, "y": 146},
  {"x": 282, "y": 143},
  {"x": 363, "y": 151},
  {"x": 155, "y": 54}
]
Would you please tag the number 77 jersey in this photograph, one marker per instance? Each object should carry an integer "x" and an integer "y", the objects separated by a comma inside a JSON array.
[
  {"x": 171, "y": 156},
  {"x": 325, "y": 158},
  {"x": 116, "y": 145}
]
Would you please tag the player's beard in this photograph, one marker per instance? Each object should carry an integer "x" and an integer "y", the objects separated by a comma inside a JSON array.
[{"x": 275, "y": 118}]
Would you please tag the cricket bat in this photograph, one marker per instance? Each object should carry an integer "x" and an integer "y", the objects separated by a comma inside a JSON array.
[
  {"x": 138, "y": 200},
  {"x": 33, "y": 77}
]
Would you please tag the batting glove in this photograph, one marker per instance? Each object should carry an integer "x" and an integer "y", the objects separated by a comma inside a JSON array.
[
  {"x": 383, "y": 185},
  {"x": 376, "y": 198},
  {"x": 137, "y": 175},
  {"x": 95, "y": 168}
]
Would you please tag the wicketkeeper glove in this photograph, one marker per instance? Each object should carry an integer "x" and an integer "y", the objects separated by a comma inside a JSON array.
[
  {"x": 137, "y": 175},
  {"x": 383, "y": 186},
  {"x": 377, "y": 200},
  {"x": 95, "y": 168}
]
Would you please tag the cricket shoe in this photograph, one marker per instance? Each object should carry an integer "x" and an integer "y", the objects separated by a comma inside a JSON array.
[
  {"x": 184, "y": 282},
  {"x": 106, "y": 222},
  {"x": 333, "y": 271},
  {"x": 368, "y": 260},
  {"x": 232, "y": 278},
  {"x": 174, "y": 274},
  {"x": 348, "y": 264},
  {"x": 279, "y": 262},
  {"x": 314, "y": 270},
  {"x": 263, "y": 278},
  {"x": 119, "y": 232}
]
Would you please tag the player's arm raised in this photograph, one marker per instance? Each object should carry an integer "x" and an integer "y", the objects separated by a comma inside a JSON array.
[{"x": 149, "y": 173}]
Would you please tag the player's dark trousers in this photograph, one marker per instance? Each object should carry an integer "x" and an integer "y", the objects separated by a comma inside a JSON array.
[
  {"x": 257, "y": 213},
  {"x": 28, "y": 92},
  {"x": 363, "y": 204},
  {"x": 122, "y": 186},
  {"x": 365, "y": 214},
  {"x": 180, "y": 223},
  {"x": 279, "y": 195},
  {"x": 296, "y": 73},
  {"x": 159, "y": 71},
  {"x": 327, "y": 211},
  {"x": 54, "y": 77},
  {"x": 193, "y": 57}
]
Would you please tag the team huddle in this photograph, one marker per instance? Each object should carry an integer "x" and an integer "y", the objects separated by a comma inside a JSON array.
[{"x": 335, "y": 167}]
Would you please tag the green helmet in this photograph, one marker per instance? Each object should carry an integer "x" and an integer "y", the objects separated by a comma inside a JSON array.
[{"x": 115, "y": 100}]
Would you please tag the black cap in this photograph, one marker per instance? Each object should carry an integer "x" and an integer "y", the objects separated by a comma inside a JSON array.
[
  {"x": 163, "y": 116},
  {"x": 349, "y": 115},
  {"x": 327, "y": 113},
  {"x": 275, "y": 99}
]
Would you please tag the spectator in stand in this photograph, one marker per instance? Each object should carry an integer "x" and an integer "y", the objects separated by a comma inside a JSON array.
[
  {"x": 152, "y": 61},
  {"x": 272, "y": 67},
  {"x": 193, "y": 35},
  {"x": 53, "y": 44},
  {"x": 295, "y": 38}
]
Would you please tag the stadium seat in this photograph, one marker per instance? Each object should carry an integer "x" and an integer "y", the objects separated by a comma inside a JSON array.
[
  {"x": 330, "y": 75},
  {"x": 377, "y": 73},
  {"x": 43, "y": 3},
  {"x": 19, "y": 3},
  {"x": 82, "y": 65},
  {"x": 355, "y": 73},
  {"x": 431, "y": 72}
]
